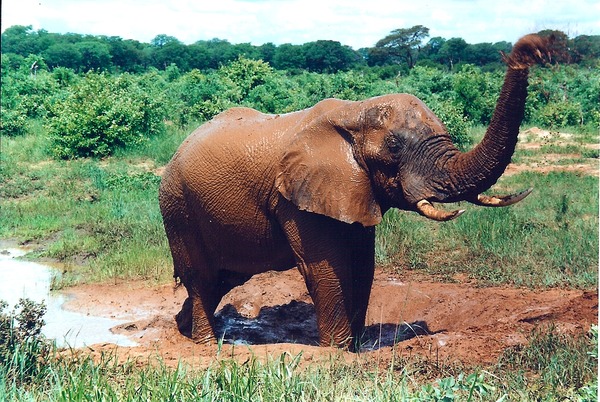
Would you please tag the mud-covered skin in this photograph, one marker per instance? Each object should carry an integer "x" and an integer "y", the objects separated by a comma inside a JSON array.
[{"x": 249, "y": 192}]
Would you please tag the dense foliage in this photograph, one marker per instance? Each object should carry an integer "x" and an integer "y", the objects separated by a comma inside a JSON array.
[
  {"x": 100, "y": 113},
  {"x": 96, "y": 113},
  {"x": 80, "y": 88},
  {"x": 403, "y": 48}
]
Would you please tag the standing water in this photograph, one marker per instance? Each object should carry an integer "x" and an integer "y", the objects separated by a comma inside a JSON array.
[{"x": 26, "y": 279}]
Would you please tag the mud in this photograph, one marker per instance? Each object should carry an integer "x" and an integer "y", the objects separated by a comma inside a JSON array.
[{"x": 272, "y": 314}]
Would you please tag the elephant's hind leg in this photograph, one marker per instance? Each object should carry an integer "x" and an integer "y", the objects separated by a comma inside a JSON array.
[{"x": 195, "y": 319}]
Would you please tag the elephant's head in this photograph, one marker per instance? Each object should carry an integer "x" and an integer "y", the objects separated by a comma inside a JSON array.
[{"x": 358, "y": 159}]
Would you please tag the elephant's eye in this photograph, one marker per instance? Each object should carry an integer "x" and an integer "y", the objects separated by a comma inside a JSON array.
[{"x": 394, "y": 142}]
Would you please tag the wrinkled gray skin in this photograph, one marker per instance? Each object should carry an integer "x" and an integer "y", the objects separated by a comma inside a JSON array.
[{"x": 249, "y": 192}]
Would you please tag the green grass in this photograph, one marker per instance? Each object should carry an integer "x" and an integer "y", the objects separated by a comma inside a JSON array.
[
  {"x": 551, "y": 367},
  {"x": 549, "y": 239},
  {"x": 562, "y": 364},
  {"x": 101, "y": 218}
]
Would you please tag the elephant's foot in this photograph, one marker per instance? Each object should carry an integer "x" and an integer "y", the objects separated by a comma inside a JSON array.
[
  {"x": 344, "y": 336},
  {"x": 193, "y": 323},
  {"x": 184, "y": 318}
]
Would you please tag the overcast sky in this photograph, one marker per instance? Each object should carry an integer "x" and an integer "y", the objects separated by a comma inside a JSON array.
[{"x": 357, "y": 23}]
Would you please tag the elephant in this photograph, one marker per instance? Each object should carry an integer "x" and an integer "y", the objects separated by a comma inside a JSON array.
[{"x": 249, "y": 192}]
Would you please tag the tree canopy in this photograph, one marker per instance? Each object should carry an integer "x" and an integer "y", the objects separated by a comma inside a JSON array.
[{"x": 401, "y": 48}]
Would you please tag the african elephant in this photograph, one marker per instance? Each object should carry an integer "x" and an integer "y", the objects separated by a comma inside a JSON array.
[{"x": 249, "y": 192}]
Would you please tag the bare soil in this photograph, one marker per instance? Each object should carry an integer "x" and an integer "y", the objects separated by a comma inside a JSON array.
[{"x": 272, "y": 314}]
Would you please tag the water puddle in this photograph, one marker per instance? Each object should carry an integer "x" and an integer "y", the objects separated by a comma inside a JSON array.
[{"x": 26, "y": 279}]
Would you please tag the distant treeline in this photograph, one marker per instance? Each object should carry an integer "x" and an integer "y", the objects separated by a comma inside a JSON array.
[{"x": 402, "y": 49}]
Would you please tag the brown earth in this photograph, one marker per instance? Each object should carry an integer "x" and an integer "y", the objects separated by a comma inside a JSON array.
[{"x": 272, "y": 314}]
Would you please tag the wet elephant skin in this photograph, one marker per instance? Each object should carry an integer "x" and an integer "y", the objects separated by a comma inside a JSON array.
[{"x": 249, "y": 192}]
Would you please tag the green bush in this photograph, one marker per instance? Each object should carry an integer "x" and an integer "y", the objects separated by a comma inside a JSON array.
[
  {"x": 559, "y": 114},
  {"x": 246, "y": 74},
  {"x": 475, "y": 93},
  {"x": 13, "y": 122},
  {"x": 278, "y": 94},
  {"x": 100, "y": 114},
  {"x": 456, "y": 123}
]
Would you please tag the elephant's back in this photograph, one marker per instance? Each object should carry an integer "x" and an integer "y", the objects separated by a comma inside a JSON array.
[{"x": 231, "y": 159}]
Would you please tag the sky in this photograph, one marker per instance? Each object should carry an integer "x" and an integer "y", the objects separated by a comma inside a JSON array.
[{"x": 356, "y": 23}]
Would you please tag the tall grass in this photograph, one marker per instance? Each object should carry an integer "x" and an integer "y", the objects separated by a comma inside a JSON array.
[
  {"x": 551, "y": 367},
  {"x": 99, "y": 216},
  {"x": 549, "y": 239}
]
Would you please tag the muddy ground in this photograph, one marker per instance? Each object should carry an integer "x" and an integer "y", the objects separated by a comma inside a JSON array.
[{"x": 272, "y": 314}]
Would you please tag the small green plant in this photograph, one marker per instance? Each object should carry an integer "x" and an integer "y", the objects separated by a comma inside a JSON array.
[
  {"x": 553, "y": 363},
  {"x": 13, "y": 122},
  {"x": 23, "y": 348},
  {"x": 461, "y": 388}
]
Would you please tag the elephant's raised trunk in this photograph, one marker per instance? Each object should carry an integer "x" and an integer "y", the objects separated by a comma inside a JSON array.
[{"x": 475, "y": 171}]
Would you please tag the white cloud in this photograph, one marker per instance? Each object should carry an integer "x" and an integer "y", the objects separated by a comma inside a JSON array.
[{"x": 357, "y": 23}]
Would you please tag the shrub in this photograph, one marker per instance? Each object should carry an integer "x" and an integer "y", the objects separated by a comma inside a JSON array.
[
  {"x": 278, "y": 94},
  {"x": 423, "y": 82},
  {"x": 559, "y": 114},
  {"x": 476, "y": 93},
  {"x": 13, "y": 122},
  {"x": 100, "y": 114},
  {"x": 23, "y": 348},
  {"x": 456, "y": 123},
  {"x": 246, "y": 74}
]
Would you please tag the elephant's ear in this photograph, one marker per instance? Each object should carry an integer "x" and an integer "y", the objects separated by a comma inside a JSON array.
[{"x": 319, "y": 173}]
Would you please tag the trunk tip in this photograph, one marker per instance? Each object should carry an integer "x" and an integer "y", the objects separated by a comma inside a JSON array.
[{"x": 530, "y": 50}]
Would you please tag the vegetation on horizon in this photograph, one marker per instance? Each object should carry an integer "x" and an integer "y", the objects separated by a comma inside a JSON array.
[{"x": 401, "y": 50}]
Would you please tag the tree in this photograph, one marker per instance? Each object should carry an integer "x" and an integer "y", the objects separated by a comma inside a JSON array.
[
  {"x": 328, "y": 56},
  {"x": 586, "y": 47},
  {"x": 267, "y": 52},
  {"x": 220, "y": 51},
  {"x": 94, "y": 55},
  {"x": 63, "y": 55},
  {"x": 199, "y": 56},
  {"x": 162, "y": 40},
  {"x": 481, "y": 54},
  {"x": 19, "y": 39},
  {"x": 289, "y": 57},
  {"x": 401, "y": 45},
  {"x": 452, "y": 51},
  {"x": 432, "y": 49},
  {"x": 127, "y": 55}
]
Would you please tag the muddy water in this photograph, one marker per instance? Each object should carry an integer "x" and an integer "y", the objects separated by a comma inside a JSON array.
[{"x": 26, "y": 279}]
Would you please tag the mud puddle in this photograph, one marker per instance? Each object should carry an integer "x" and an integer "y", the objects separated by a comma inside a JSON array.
[{"x": 26, "y": 279}]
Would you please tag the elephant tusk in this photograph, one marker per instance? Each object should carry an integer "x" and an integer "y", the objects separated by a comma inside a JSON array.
[
  {"x": 426, "y": 209},
  {"x": 501, "y": 201}
]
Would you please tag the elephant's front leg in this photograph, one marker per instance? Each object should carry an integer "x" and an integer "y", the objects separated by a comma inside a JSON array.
[
  {"x": 336, "y": 261},
  {"x": 341, "y": 299}
]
